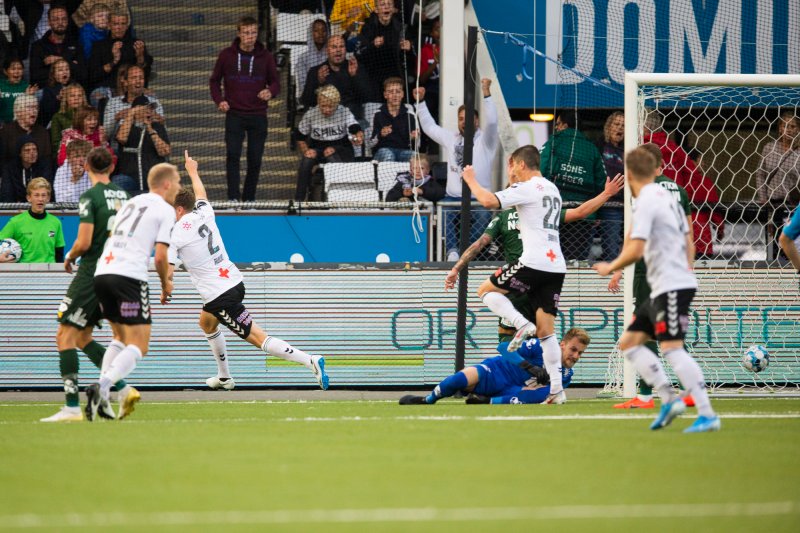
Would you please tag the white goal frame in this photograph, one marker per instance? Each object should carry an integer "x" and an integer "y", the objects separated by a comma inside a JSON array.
[{"x": 634, "y": 136}]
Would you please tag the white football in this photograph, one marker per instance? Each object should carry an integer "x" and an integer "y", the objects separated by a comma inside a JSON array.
[
  {"x": 13, "y": 248},
  {"x": 756, "y": 358}
]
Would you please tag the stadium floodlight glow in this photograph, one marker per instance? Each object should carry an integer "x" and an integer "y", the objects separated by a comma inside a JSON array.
[{"x": 541, "y": 117}]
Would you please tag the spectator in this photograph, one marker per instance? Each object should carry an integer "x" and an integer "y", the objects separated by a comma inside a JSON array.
[
  {"x": 346, "y": 75},
  {"x": 95, "y": 29},
  {"x": 244, "y": 80},
  {"x": 38, "y": 232},
  {"x": 348, "y": 17},
  {"x": 84, "y": 12},
  {"x": 383, "y": 48},
  {"x": 574, "y": 164},
  {"x": 72, "y": 180},
  {"x": 26, "y": 110},
  {"x": 19, "y": 173},
  {"x": 85, "y": 126},
  {"x": 327, "y": 134},
  {"x": 118, "y": 49},
  {"x": 117, "y": 107},
  {"x": 143, "y": 143},
  {"x": 73, "y": 97},
  {"x": 417, "y": 183},
  {"x": 11, "y": 87},
  {"x": 778, "y": 176},
  {"x": 56, "y": 43},
  {"x": 428, "y": 69},
  {"x": 50, "y": 101},
  {"x": 485, "y": 144},
  {"x": 701, "y": 190},
  {"x": 393, "y": 125},
  {"x": 612, "y": 150},
  {"x": 315, "y": 54}
]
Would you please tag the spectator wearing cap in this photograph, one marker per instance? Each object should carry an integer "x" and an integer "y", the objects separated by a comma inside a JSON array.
[
  {"x": 19, "y": 172},
  {"x": 71, "y": 179},
  {"x": 143, "y": 143},
  {"x": 26, "y": 110}
]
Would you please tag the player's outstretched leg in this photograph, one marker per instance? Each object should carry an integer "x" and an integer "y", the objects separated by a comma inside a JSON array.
[
  {"x": 315, "y": 363},
  {"x": 691, "y": 376},
  {"x": 500, "y": 305},
  {"x": 449, "y": 386}
]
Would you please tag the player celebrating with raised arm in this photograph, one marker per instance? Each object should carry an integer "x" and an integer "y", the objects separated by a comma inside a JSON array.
[
  {"x": 504, "y": 227},
  {"x": 197, "y": 242},
  {"x": 660, "y": 233},
  {"x": 500, "y": 380},
  {"x": 120, "y": 280},
  {"x": 540, "y": 270},
  {"x": 79, "y": 311}
]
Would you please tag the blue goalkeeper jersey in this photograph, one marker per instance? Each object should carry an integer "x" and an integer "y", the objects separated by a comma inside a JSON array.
[
  {"x": 792, "y": 229},
  {"x": 506, "y": 366}
]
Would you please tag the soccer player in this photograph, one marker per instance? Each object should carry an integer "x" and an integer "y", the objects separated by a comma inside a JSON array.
[
  {"x": 79, "y": 312},
  {"x": 197, "y": 242},
  {"x": 540, "y": 270},
  {"x": 504, "y": 228},
  {"x": 661, "y": 234},
  {"x": 501, "y": 379},
  {"x": 38, "y": 232},
  {"x": 789, "y": 239},
  {"x": 120, "y": 280},
  {"x": 641, "y": 290}
]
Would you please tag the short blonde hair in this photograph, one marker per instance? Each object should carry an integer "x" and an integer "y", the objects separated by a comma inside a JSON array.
[
  {"x": 329, "y": 93},
  {"x": 640, "y": 163},
  {"x": 160, "y": 173},
  {"x": 577, "y": 333},
  {"x": 38, "y": 183}
]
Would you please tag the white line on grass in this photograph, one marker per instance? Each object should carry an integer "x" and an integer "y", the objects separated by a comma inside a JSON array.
[{"x": 422, "y": 514}]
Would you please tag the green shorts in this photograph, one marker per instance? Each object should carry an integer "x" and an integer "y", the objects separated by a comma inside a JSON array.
[
  {"x": 522, "y": 304},
  {"x": 80, "y": 307}
]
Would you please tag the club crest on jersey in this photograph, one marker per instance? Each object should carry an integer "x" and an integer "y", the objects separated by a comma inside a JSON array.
[{"x": 186, "y": 225}]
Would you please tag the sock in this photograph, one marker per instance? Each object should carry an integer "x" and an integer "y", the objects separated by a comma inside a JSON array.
[
  {"x": 217, "y": 342},
  {"x": 448, "y": 387},
  {"x": 278, "y": 348},
  {"x": 652, "y": 371},
  {"x": 68, "y": 364},
  {"x": 500, "y": 305},
  {"x": 96, "y": 353},
  {"x": 691, "y": 376},
  {"x": 113, "y": 350},
  {"x": 123, "y": 365},
  {"x": 551, "y": 353}
]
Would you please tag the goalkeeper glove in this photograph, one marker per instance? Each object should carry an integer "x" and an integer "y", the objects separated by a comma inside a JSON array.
[{"x": 537, "y": 372}]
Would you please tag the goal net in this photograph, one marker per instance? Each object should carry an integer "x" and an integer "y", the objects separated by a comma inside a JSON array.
[{"x": 732, "y": 142}]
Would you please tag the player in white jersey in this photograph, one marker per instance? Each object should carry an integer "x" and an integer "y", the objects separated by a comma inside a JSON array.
[
  {"x": 539, "y": 272},
  {"x": 120, "y": 280},
  {"x": 661, "y": 234},
  {"x": 197, "y": 243}
]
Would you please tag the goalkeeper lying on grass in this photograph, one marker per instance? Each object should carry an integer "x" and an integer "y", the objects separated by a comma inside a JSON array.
[{"x": 511, "y": 377}]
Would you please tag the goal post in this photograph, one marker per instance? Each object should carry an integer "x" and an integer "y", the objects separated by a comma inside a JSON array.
[{"x": 748, "y": 294}]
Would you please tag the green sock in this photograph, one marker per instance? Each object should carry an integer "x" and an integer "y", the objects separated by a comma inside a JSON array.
[
  {"x": 504, "y": 338},
  {"x": 95, "y": 352},
  {"x": 644, "y": 388},
  {"x": 68, "y": 364}
]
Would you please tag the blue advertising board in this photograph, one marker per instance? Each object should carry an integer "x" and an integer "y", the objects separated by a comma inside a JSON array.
[{"x": 597, "y": 41}]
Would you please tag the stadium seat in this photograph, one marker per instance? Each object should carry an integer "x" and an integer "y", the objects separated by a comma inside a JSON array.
[
  {"x": 353, "y": 195},
  {"x": 349, "y": 176},
  {"x": 387, "y": 174}
]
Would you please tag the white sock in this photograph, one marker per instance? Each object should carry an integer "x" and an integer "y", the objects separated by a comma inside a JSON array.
[
  {"x": 279, "y": 348},
  {"x": 123, "y": 365},
  {"x": 691, "y": 376},
  {"x": 551, "y": 353},
  {"x": 112, "y": 351},
  {"x": 217, "y": 342},
  {"x": 502, "y": 307},
  {"x": 651, "y": 370}
]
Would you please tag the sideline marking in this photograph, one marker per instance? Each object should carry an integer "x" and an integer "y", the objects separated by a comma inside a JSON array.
[{"x": 421, "y": 514}]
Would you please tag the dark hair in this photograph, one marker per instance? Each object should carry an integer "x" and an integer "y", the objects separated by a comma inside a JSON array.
[
  {"x": 54, "y": 6},
  {"x": 568, "y": 117},
  {"x": 529, "y": 155},
  {"x": 393, "y": 80},
  {"x": 10, "y": 60},
  {"x": 99, "y": 160},
  {"x": 81, "y": 114},
  {"x": 463, "y": 108},
  {"x": 246, "y": 21},
  {"x": 185, "y": 198}
]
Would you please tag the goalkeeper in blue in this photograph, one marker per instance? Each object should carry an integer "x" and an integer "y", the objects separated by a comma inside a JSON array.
[
  {"x": 790, "y": 239},
  {"x": 511, "y": 377}
]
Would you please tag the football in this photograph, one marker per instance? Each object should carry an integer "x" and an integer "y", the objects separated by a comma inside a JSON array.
[
  {"x": 756, "y": 358},
  {"x": 12, "y": 247}
]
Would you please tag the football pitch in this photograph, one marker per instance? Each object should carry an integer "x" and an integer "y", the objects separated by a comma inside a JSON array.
[{"x": 378, "y": 466}]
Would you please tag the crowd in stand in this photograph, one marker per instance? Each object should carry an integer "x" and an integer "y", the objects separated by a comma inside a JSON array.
[{"x": 74, "y": 76}]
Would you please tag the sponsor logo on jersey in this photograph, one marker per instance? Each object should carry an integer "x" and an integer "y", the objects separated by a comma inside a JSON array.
[{"x": 51, "y": 234}]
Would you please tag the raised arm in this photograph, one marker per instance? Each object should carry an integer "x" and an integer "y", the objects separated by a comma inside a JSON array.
[
  {"x": 613, "y": 186},
  {"x": 486, "y": 198},
  {"x": 197, "y": 184}
]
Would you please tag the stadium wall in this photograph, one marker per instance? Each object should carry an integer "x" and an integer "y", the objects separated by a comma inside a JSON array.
[{"x": 387, "y": 326}]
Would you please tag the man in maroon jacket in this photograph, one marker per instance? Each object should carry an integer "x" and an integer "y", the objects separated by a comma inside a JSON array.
[{"x": 244, "y": 80}]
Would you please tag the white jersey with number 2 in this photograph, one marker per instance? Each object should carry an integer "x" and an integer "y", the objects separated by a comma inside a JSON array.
[
  {"x": 660, "y": 221},
  {"x": 141, "y": 222},
  {"x": 538, "y": 203},
  {"x": 196, "y": 241}
]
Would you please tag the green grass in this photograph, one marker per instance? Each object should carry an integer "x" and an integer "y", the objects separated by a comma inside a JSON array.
[{"x": 295, "y": 466}]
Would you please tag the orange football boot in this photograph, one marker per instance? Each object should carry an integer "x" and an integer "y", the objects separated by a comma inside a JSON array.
[{"x": 636, "y": 403}]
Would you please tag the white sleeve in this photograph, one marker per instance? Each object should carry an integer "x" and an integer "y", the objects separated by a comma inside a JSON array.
[
  {"x": 166, "y": 224},
  {"x": 439, "y": 135},
  {"x": 642, "y": 222},
  {"x": 305, "y": 123},
  {"x": 517, "y": 194},
  {"x": 203, "y": 207},
  {"x": 489, "y": 137},
  {"x": 172, "y": 254}
]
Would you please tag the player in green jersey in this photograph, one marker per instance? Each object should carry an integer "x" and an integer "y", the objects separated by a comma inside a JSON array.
[
  {"x": 641, "y": 289},
  {"x": 503, "y": 228},
  {"x": 79, "y": 311},
  {"x": 38, "y": 232}
]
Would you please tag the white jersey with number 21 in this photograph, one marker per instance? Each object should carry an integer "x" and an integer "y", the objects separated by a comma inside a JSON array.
[
  {"x": 141, "y": 222},
  {"x": 538, "y": 203},
  {"x": 196, "y": 241}
]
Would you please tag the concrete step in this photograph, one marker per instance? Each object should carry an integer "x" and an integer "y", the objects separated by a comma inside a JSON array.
[
  {"x": 245, "y": 7},
  {"x": 165, "y": 50},
  {"x": 190, "y": 15}
]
